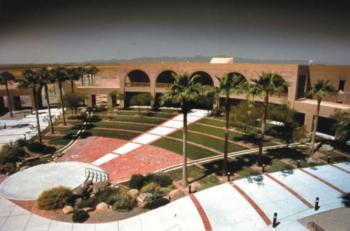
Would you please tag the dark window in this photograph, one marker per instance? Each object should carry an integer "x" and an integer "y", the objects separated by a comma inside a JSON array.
[{"x": 341, "y": 85}]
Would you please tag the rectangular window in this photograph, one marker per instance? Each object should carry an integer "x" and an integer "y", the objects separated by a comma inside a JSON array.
[{"x": 341, "y": 85}]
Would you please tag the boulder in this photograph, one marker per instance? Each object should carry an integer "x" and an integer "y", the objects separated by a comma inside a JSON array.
[
  {"x": 67, "y": 209},
  {"x": 102, "y": 206},
  {"x": 133, "y": 193},
  {"x": 175, "y": 194},
  {"x": 326, "y": 147}
]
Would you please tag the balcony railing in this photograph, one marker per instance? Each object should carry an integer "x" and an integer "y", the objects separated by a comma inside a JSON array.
[
  {"x": 163, "y": 85},
  {"x": 137, "y": 84}
]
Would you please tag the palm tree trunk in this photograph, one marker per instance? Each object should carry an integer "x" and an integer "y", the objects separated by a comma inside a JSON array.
[
  {"x": 62, "y": 104},
  {"x": 263, "y": 128},
  {"x": 9, "y": 101},
  {"x": 72, "y": 85},
  {"x": 82, "y": 80},
  {"x": 313, "y": 136},
  {"x": 37, "y": 114},
  {"x": 184, "y": 149},
  {"x": 227, "y": 122},
  {"x": 49, "y": 109}
]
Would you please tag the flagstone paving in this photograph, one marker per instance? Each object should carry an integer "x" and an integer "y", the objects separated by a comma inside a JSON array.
[{"x": 225, "y": 207}]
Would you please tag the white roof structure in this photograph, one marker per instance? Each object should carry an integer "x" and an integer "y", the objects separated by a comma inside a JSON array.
[{"x": 223, "y": 60}]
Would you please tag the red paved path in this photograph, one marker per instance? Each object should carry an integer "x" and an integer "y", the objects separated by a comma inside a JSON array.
[
  {"x": 143, "y": 160},
  {"x": 91, "y": 148}
]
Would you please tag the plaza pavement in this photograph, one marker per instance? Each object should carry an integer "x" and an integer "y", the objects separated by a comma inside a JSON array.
[
  {"x": 245, "y": 204},
  {"x": 25, "y": 127},
  {"x": 152, "y": 135}
]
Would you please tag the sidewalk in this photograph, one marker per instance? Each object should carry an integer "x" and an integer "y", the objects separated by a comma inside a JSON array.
[{"x": 226, "y": 207}]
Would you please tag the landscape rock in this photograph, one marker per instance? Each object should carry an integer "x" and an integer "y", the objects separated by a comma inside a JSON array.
[
  {"x": 67, "y": 209},
  {"x": 326, "y": 147},
  {"x": 102, "y": 206},
  {"x": 175, "y": 194},
  {"x": 133, "y": 193}
]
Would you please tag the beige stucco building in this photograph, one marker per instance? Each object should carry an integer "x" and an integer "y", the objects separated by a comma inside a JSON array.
[{"x": 154, "y": 78}]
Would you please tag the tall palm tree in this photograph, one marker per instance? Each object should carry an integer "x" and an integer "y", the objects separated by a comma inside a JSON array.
[
  {"x": 228, "y": 84},
  {"x": 81, "y": 71},
  {"x": 31, "y": 79},
  {"x": 5, "y": 78},
  {"x": 183, "y": 91},
  {"x": 45, "y": 78},
  {"x": 60, "y": 75},
  {"x": 266, "y": 85},
  {"x": 92, "y": 72},
  {"x": 73, "y": 74},
  {"x": 319, "y": 90}
]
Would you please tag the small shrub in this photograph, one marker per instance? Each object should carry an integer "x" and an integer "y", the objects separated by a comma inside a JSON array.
[
  {"x": 151, "y": 187},
  {"x": 157, "y": 203},
  {"x": 21, "y": 143},
  {"x": 136, "y": 181},
  {"x": 11, "y": 153},
  {"x": 109, "y": 195},
  {"x": 80, "y": 216},
  {"x": 163, "y": 180},
  {"x": 55, "y": 198},
  {"x": 88, "y": 203},
  {"x": 35, "y": 147},
  {"x": 40, "y": 148},
  {"x": 346, "y": 200},
  {"x": 125, "y": 202},
  {"x": 7, "y": 168}
]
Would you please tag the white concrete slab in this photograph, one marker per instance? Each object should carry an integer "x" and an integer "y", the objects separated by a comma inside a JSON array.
[
  {"x": 126, "y": 148},
  {"x": 271, "y": 197},
  {"x": 309, "y": 187},
  {"x": 336, "y": 177},
  {"x": 146, "y": 138},
  {"x": 43, "y": 177},
  {"x": 161, "y": 131},
  {"x": 230, "y": 211},
  {"x": 173, "y": 124},
  {"x": 344, "y": 165},
  {"x": 105, "y": 159}
]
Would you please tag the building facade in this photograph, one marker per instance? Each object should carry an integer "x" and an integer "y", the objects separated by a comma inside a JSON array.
[{"x": 155, "y": 77}]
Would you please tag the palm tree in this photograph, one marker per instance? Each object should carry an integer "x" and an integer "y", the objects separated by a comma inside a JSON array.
[
  {"x": 319, "y": 90},
  {"x": 5, "y": 77},
  {"x": 31, "y": 80},
  {"x": 92, "y": 72},
  {"x": 74, "y": 73},
  {"x": 229, "y": 84},
  {"x": 267, "y": 85},
  {"x": 81, "y": 71},
  {"x": 184, "y": 91},
  {"x": 60, "y": 75},
  {"x": 45, "y": 78}
]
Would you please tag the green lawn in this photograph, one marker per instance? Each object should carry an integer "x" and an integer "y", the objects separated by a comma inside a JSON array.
[
  {"x": 193, "y": 152},
  {"x": 196, "y": 174},
  {"x": 212, "y": 122},
  {"x": 138, "y": 119},
  {"x": 113, "y": 134},
  {"x": 208, "y": 142},
  {"x": 128, "y": 126}
]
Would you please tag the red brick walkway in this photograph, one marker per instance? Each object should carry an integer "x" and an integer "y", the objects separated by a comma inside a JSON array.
[
  {"x": 143, "y": 160},
  {"x": 91, "y": 148}
]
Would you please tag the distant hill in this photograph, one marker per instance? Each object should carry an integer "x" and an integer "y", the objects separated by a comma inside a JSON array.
[{"x": 197, "y": 58}]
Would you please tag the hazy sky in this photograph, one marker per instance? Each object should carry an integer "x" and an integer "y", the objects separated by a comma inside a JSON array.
[{"x": 42, "y": 31}]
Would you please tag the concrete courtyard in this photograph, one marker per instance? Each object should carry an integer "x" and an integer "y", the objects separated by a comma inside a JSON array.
[{"x": 245, "y": 204}]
